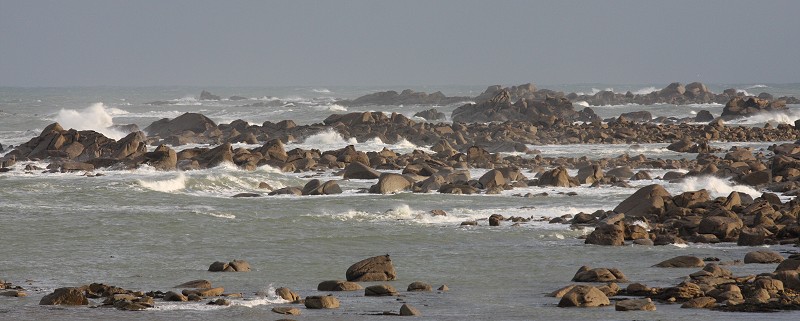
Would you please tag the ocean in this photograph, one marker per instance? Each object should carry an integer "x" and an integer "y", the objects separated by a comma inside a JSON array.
[{"x": 151, "y": 230}]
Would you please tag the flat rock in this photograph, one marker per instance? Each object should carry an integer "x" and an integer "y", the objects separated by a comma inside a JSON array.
[
  {"x": 322, "y": 302},
  {"x": 645, "y": 304},
  {"x": 683, "y": 261},
  {"x": 378, "y": 268},
  {"x": 763, "y": 256}
]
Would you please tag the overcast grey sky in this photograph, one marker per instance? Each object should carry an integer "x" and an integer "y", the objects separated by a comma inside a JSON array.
[{"x": 265, "y": 43}]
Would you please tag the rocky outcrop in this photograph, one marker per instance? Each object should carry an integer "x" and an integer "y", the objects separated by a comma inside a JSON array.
[
  {"x": 431, "y": 114},
  {"x": 65, "y": 296},
  {"x": 500, "y": 108},
  {"x": 233, "y": 266},
  {"x": 205, "y": 95},
  {"x": 406, "y": 97},
  {"x": 321, "y": 302},
  {"x": 378, "y": 268},
  {"x": 389, "y": 183},
  {"x": 683, "y": 261},
  {"x": 748, "y": 106},
  {"x": 584, "y": 296},
  {"x": 648, "y": 200},
  {"x": 196, "y": 123}
]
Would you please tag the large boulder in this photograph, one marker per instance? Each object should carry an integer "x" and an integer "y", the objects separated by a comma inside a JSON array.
[
  {"x": 590, "y": 174},
  {"x": 748, "y": 106},
  {"x": 162, "y": 158},
  {"x": 322, "y": 302},
  {"x": 647, "y": 200},
  {"x": 607, "y": 234},
  {"x": 683, "y": 261},
  {"x": 645, "y": 304},
  {"x": 357, "y": 170},
  {"x": 378, "y": 268},
  {"x": 557, "y": 177},
  {"x": 584, "y": 296},
  {"x": 492, "y": 179},
  {"x": 338, "y": 285},
  {"x": 380, "y": 290},
  {"x": 65, "y": 296},
  {"x": 587, "y": 274},
  {"x": 725, "y": 228},
  {"x": 197, "y": 123},
  {"x": 763, "y": 256},
  {"x": 205, "y": 95},
  {"x": 216, "y": 156},
  {"x": 391, "y": 183}
]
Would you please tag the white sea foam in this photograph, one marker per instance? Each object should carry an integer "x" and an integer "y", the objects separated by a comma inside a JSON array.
[
  {"x": 187, "y": 101},
  {"x": 582, "y": 103},
  {"x": 328, "y": 139},
  {"x": 715, "y": 186},
  {"x": 331, "y": 107},
  {"x": 769, "y": 117},
  {"x": 321, "y": 90},
  {"x": 645, "y": 91},
  {"x": 166, "y": 186},
  {"x": 757, "y": 86},
  {"x": 743, "y": 92},
  {"x": 95, "y": 117}
]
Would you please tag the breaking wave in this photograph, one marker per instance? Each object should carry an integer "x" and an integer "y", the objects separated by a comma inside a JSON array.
[
  {"x": 96, "y": 117},
  {"x": 328, "y": 139},
  {"x": 645, "y": 91},
  {"x": 769, "y": 117},
  {"x": 166, "y": 186},
  {"x": 716, "y": 187},
  {"x": 757, "y": 86}
]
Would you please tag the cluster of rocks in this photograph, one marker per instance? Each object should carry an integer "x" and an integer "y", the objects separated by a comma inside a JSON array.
[
  {"x": 501, "y": 108},
  {"x": 675, "y": 93},
  {"x": 712, "y": 287},
  {"x": 746, "y": 106},
  {"x": 378, "y": 268},
  {"x": 406, "y": 97}
]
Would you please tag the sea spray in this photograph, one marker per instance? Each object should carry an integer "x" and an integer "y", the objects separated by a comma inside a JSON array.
[
  {"x": 716, "y": 187},
  {"x": 96, "y": 117},
  {"x": 166, "y": 186}
]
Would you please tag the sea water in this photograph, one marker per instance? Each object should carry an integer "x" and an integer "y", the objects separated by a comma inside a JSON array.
[{"x": 150, "y": 230}]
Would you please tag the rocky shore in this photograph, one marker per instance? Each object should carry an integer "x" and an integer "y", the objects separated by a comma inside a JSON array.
[{"x": 493, "y": 134}]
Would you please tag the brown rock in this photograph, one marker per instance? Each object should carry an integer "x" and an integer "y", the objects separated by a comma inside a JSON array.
[
  {"x": 683, "y": 261},
  {"x": 197, "y": 284},
  {"x": 419, "y": 287},
  {"x": 65, "y": 296},
  {"x": 287, "y": 294},
  {"x": 702, "y": 302},
  {"x": 408, "y": 310},
  {"x": 389, "y": 183},
  {"x": 635, "y": 305},
  {"x": 647, "y": 200},
  {"x": 763, "y": 256},
  {"x": 286, "y": 310},
  {"x": 337, "y": 285},
  {"x": 380, "y": 290},
  {"x": 584, "y": 296},
  {"x": 175, "y": 296},
  {"x": 607, "y": 234},
  {"x": 378, "y": 268},
  {"x": 322, "y": 302}
]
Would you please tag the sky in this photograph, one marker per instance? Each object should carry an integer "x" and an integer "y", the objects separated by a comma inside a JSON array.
[{"x": 375, "y": 42}]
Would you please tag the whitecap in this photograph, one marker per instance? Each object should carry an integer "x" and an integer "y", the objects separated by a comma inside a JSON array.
[
  {"x": 166, "y": 186},
  {"x": 645, "y": 91},
  {"x": 321, "y": 90},
  {"x": 716, "y": 187},
  {"x": 328, "y": 139},
  {"x": 582, "y": 103},
  {"x": 769, "y": 117},
  {"x": 95, "y": 117},
  {"x": 757, "y": 86}
]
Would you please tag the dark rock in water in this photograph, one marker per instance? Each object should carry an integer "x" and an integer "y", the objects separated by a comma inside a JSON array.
[
  {"x": 500, "y": 108},
  {"x": 378, "y": 268},
  {"x": 587, "y": 274},
  {"x": 638, "y": 116},
  {"x": 204, "y": 95},
  {"x": 321, "y": 302},
  {"x": 287, "y": 294},
  {"x": 408, "y": 310},
  {"x": 175, "y": 297},
  {"x": 419, "y": 287},
  {"x": 380, "y": 290},
  {"x": 645, "y": 304},
  {"x": 337, "y": 285},
  {"x": 725, "y": 228},
  {"x": 286, "y": 310},
  {"x": 233, "y": 266},
  {"x": 747, "y": 106},
  {"x": 647, "y": 200},
  {"x": 197, "y": 284},
  {"x": 584, "y": 296},
  {"x": 431, "y": 114},
  {"x": 216, "y": 156},
  {"x": 246, "y": 195},
  {"x": 196, "y": 123},
  {"x": 162, "y": 158},
  {"x": 703, "y": 116},
  {"x": 682, "y": 261},
  {"x": 316, "y": 187},
  {"x": 357, "y": 170},
  {"x": 406, "y": 97},
  {"x": 607, "y": 234},
  {"x": 389, "y": 183},
  {"x": 65, "y": 296},
  {"x": 763, "y": 257},
  {"x": 291, "y": 190},
  {"x": 235, "y": 98}
]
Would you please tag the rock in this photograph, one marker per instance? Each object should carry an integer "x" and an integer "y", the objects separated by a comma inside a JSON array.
[
  {"x": 683, "y": 261},
  {"x": 219, "y": 267},
  {"x": 590, "y": 174},
  {"x": 683, "y": 292},
  {"x": 607, "y": 234},
  {"x": 197, "y": 123},
  {"x": 380, "y": 290},
  {"x": 218, "y": 291},
  {"x": 702, "y": 302},
  {"x": 752, "y": 236},
  {"x": 389, "y": 183},
  {"x": 585, "y": 274},
  {"x": 647, "y": 200},
  {"x": 65, "y": 296},
  {"x": 494, "y": 219},
  {"x": 408, "y": 310},
  {"x": 322, "y": 302},
  {"x": 584, "y": 296},
  {"x": 175, "y": 297},
  {"x": 220, "y": 301},
  {"x": 418, "y": 286},
  {"x": 337, "y": 285},
  {"x": 443, "y": 288},
  {"x": 197, "y": 284},
  {"x": 763, "y": 256},
  {"x": 356, "y": 170},
  {"x": 725, "y": 228},
  {"x": 790, "y": 264},
  {"x": 378, "y": 268},
  {"x": 287, "y": 294},
  {"x": 291, "y": 190},
  {"x": 746, "y": 106},
  {"x": 431, "y": 114},
  {"x": 162, "y": 158},
  {"x": 703, "y": 116},
  {"x": 557, "y": 177},
  {"x": 493, "y": 178},
  {"x": 286, "y": 310},
  {"x": 315, "y": 187},
  {"x": 635, "y": 305},
  {"x": 204, "y": 95}
]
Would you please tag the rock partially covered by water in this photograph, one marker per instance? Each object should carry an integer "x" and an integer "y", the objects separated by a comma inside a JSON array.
[
  {"x": 500, "y": 108},
  {"x": 647, "y": 200},
  {"x": 338, "y": 285},
  {"x": 378, "y": 268},
  {"x": 205, "y": 95},
  {"x": 584, "y": 296},
  {"x": 682, "y": 261},
  {"x": 431, "y": 114},
  {"x": 233, "y": 266},
  {"x": 65, "y": 296},
  {"x": 322, "y": 302},
  {"x": 406, "y": 97},
  {"x": 196, "y": 123},
  {"x": 748, "y": 106},
  {"x": 763, "y": 257}
]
